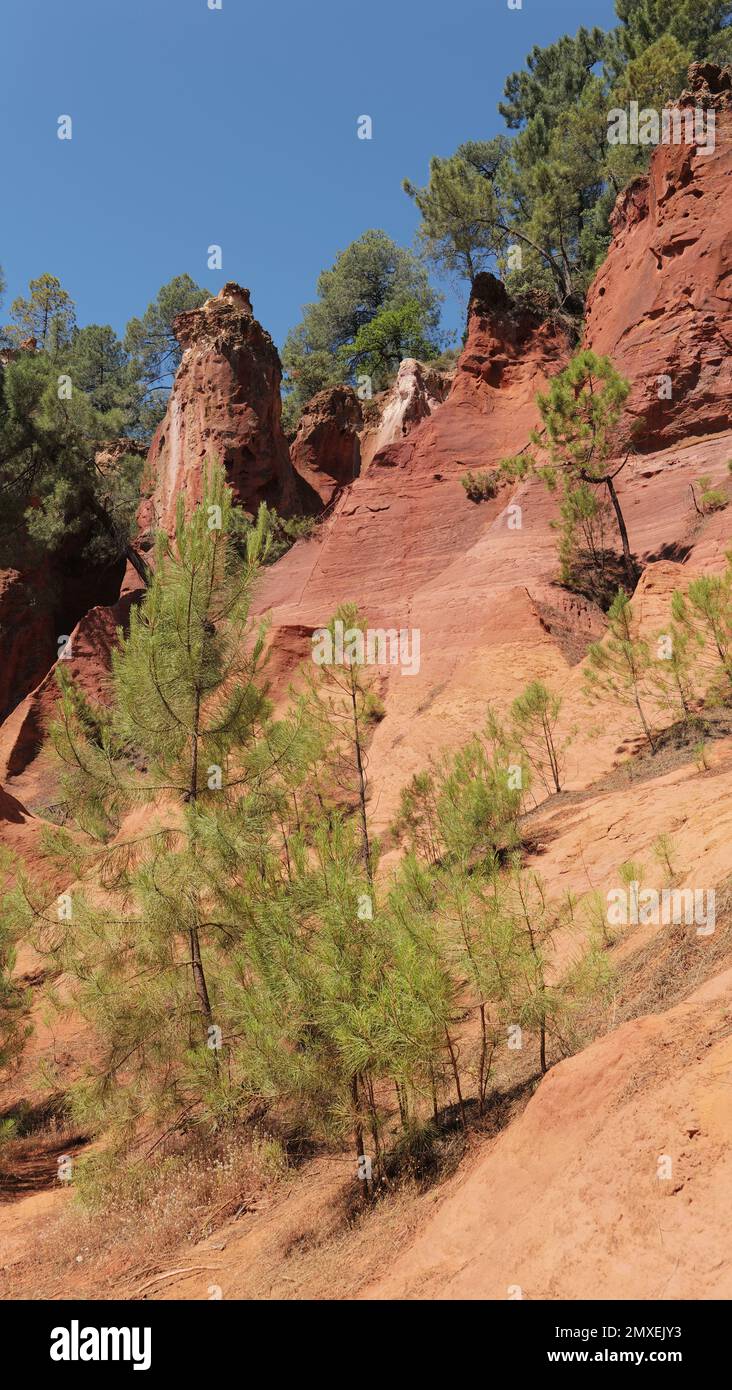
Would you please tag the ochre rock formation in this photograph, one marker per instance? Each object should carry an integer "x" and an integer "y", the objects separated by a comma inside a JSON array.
[
  {"x": 26, "y": 636},
  {"x": 406, "y": 543},
  {"x": 325, "y": 452},
  {"x": 24, "y": 761},
  {"x": 225, "y": 405},
  {"x": 417, "y": 391},
  {"x": 661, "y": 304},
  {"x": 566, "y": 1199}
]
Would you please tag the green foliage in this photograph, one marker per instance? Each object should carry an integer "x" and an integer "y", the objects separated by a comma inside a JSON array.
[
  {"x": 280, "y": 533},
  {"x": 151, "y": 343},
  {"x": 553, "y": 79},
  {"x": 703, "y": 616},
  {"x": 14, "y": 999},
  {"x": 546, "y": 194},
  {"x": 480, "y": 487},
  {"x": 461, "y": 225},
  {"x": 665, "y": 850},
  {"x": 580, "y": 412},
  {"x": 693, "y": 23},
  {"x": 534, "y": 722},
  {"x": 372, "y": 275},
  {"x": 390, "y": 336},
  {"x": 711, "y": 499},
  {"x": 673, "y": 673},
  {"x": 620, "y": 665},
  {"x": 583, "y": 525},
  {"x": 56, "y": 502},
  {"x": 98, "y": 365},
  {"x": 146, "y": 937},
  {"x": 466, "y": 808},
  {"x": 47, "y": 314}
]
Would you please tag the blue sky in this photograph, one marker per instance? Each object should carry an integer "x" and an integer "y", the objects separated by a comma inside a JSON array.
[{"x": 238, "y": 127}]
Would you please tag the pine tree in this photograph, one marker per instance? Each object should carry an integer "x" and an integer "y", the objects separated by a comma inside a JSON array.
[
  {"x": 543, "y": 1000},
  {"x": 48, "y": 315},
  {"x": 620, "y": 665},
  {"x": 535, "y": 716},
  {"x": 157, "y": 783},
  {"x": 583, "y": 525},
  {"x": 580, "y": 412},
  {"x": 342, "y": 705},
  {"x": 673, "y": 672},
  {"x": 14, "y": 999},
  {"x": 704, "y": 615}
]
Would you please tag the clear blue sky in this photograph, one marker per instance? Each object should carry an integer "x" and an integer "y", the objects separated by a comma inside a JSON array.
[{"x": 238, "y": 127}]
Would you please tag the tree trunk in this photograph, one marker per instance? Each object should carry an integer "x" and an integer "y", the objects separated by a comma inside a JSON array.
[
  {"x": 361, "y": 789},
  {"x": 630, "y": 569},
  {"x": 482, "y": 1079},
  {"x": 644, "y": 722},
  {"x": 199, "y": 974},
  {"x": 137, "y": 562},
  {"x": 456, "y": 1074},
  {"x": 358, "y": 1134}
]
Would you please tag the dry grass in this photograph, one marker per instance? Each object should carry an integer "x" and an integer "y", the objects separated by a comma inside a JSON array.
[{"x": 125, "y": 1219}]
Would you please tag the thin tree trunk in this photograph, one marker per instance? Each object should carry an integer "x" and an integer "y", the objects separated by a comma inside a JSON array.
[
  {"x": 630, "y": 569},
  {"x": 137, "y": 562},
  {"x": 199, "y": 974},
  {"x": 435, "y": 1111},
  {"x": 542, "y": 1048},
  {"x": 456, "y": 1074},
  {"x": 361, "y": 789},
  {"x": 644, "y": 721},
  {"x": 358, "y": 1134},
  {"x": 483, "y": 1055},
  {"x": 553, "y": 759}
]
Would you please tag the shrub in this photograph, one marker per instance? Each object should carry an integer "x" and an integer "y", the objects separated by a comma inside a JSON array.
[{"x": 480, "y": 487}]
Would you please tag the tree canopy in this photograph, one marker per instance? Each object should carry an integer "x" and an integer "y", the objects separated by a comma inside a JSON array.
[
  {"x": 539, "y": 203},
  {"x": 372, "y": 275}
]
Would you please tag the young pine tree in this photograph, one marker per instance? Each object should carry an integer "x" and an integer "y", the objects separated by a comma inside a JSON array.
[
  {"x": 673, "y": 673},
  {"x": 13, "y": 998},
  {"x": 583, "y": 526},
  {"x": 543, "y": 1000},
  {"x": 580, "y": 412},
  {"x": 341, "y": 705},
  {"x": 704, "y": 614},
  {"x": 151, "y": 784},
  {"x": 619, "y": 666},
  {"x": 535, "y": 717}
]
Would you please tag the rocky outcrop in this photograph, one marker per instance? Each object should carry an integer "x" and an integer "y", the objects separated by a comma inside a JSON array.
[
  {"x": 87, "y": 659},
  {"x": 405, "y": 541},
  {"x": 325, "y": 452},
  {"x": 415, "y": 394},
  {"x": 661, "y": 305},
  {"x": 11, "y": 354},
  {"x": 567, "y": 1199},
  {"x": 111, "y": 451},
  {"x": 38, "y": 608},
  {"x": 225, "y": 405},
  {"x": 26, "y": 637}
]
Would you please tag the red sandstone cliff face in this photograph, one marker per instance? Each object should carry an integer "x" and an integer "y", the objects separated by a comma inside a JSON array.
[
  {"x": 404, "y": 541},
  {"x": 225, "y": 404},
  {"x": 407, "y": 545},
  {"x": 661, "y": 305},
  {"x": 325, "y": 452},
  {"x": 418, "y": 390}
]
